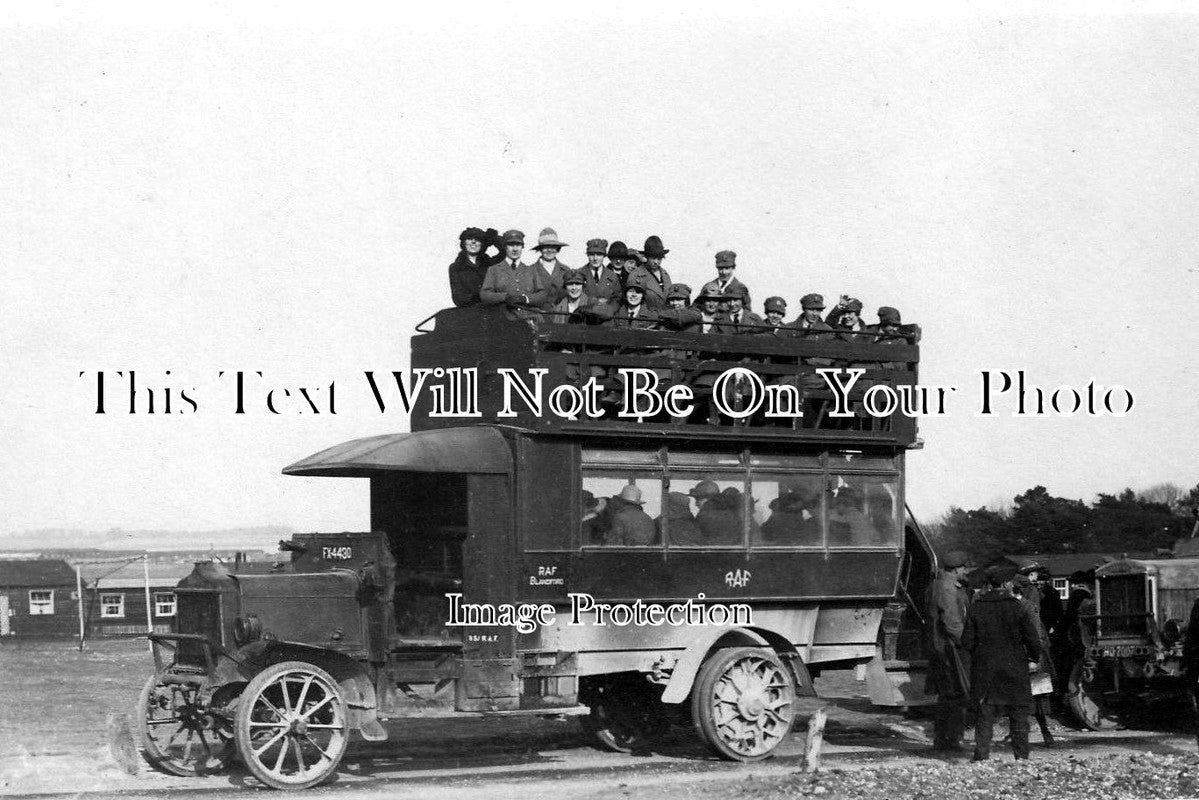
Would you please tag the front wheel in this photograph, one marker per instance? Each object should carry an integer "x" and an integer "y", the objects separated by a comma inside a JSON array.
[
  {"x": 179, "y": 731},
  {"x": 743, "y": 703},
  {"x": 292, "y": 726}
]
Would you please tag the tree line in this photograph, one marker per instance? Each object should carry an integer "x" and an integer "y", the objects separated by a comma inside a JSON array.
[{"x": 1038, "y": 522}]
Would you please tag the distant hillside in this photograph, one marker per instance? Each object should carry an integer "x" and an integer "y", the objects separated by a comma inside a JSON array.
[{"x": 261, "y": 538}]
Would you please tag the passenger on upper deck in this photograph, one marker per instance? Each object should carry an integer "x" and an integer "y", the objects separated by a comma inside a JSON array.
[
  {"x": 888, "y": 332},
  {"x": 738, "y": 321},
  {"x": 618, "y": 255},
  {"x": 776, "y": 309},
  {"x": 470, "y": 267},
  {"x": 633, "y": 312},
  {"x": 710, "y": 317},
  {"x": 513, "y": 282},
  {"x": 811, "y": 327},
  {"x": 679, "y": 296},
  {"x": 847, "y": 317},
  {"x": 657, "y": 280},
  {"x": 548, "y": 246},
  {"x": 602, "y": 284},
  {"x": 725, "y": 284},
  {"x": 571, "y": 307}
]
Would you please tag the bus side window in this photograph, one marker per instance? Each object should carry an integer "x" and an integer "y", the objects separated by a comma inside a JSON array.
[
  {"x": 863, "y": 511},
  {"x": 619, "y": 508},
  {"x": 789, "y": 511},
  {"x": 706, "y": 510}
]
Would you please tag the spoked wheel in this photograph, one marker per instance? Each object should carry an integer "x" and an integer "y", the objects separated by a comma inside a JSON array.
[
  {"x": 743, "y": 703},
  {"x": 292, "y": 727},
  {"x": 179, "y": 732},
  {"x": 625, "y": 716},
  {"x": 1089, "y": 696}
]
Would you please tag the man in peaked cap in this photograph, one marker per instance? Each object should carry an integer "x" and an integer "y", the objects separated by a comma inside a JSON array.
[
  {"x": 657, "y": 280},
  {"x": 945, "y": 603},
  {"x": 602, "y": 284},
  {"x": 512, "y": 282},
  {"x": 725, "y": 284},
  {"x": 470, "y": 267},
  {"x": 548, "y": 247}
]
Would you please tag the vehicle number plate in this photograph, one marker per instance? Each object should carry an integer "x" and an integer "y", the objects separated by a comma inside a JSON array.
[{"x": 337, "y": 553}]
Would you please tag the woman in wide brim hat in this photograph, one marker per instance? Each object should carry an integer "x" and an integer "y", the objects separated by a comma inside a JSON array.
[{"x": 548, "y": 238}]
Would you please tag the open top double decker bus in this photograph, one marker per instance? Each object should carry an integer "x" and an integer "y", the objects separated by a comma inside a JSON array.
[{"x": 694, "y": 568}]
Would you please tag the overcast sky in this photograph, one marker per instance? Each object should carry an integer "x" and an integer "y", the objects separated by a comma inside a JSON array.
[{"x": 284, "y": 195}]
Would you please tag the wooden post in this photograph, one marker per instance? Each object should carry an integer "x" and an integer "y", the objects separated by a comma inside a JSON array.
[
  {"x": 79, "y": 602},
  {"x": 814, "y": 740},
  {"x": 149, "y": 606}
]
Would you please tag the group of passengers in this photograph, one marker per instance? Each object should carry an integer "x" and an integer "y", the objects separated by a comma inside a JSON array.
[
  {"x": 795, "y": 518},
  {"x": 625, "y": 287}
]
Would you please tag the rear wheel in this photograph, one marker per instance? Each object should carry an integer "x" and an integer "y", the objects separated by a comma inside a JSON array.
[
  {"x": 179, "y": 731},
  {"x": 626, "y": 715},
  {"x": 743, "y": 703},
  {"x": 292, "y": 725}
]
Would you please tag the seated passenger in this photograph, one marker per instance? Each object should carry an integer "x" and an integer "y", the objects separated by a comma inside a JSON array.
[
  {"x": 847, "y": 318},
  {"x": 794, "y": 519},
  {"x": 847, "y": 525},
  {"x": 811, "y": 327},
  {"x": 571, "y": 307},
  {"x": 630, "y": 525},
  {"x": 725, "y": 284},
  {"x": 595, "y": 523},
  {"x": 603, "y": 284},
  {"x": 511, "y": 282},
  {"x": 720, "y": 518},
  {"x": 710, "y": 316},
  {"x": 470, "y": 267},
  {"x": 776, "y": 309},
  {"x": 889, "y": 332},
  {"x": 739, "y": 321},
  {"x": 684, "y": 532},
  {"x": 679, "y": 296},
  {"x": 548, "y": 247},
  {"x": 655, "y": 279},
  {"x": 632, "y": 311}
]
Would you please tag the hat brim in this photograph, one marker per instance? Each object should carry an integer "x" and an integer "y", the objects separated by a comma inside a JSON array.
[
  {"x": 655, "y": 253},
  {"x": 558, "y": 245}
]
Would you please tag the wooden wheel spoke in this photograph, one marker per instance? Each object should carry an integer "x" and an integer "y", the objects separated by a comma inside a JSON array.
[
  {"x": 277, "y": 724},
  {"x": 325, "y": 726},
  {"x": 321, "y": 750},
  {"x": 260, "y": 750},
  {"x": 187, "y": 745},
  {"x": 304, "y": 692},
  {"x": 328, "y": 699},
  {"x": 166, "y": 721},
  {"x": 282, "y": 756},
  {"x": 286, "y": 697},
  {"x": 301, "y": 767},
  {"x": 270, "y": 705}
]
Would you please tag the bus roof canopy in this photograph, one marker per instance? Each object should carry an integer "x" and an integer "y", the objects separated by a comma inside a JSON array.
[{"x": 477, "y": 449}]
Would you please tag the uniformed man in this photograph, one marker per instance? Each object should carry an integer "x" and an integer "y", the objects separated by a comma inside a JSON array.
[
  {"x": 725, "y": 284},
  {"x": 601, "y": 283},
  {"x": 946, "y": 602},
  {"x": 512, "y": 282},
  {"x": 470, "y": 267},
  {"x": 633, "y": 312},
  {"x": 739, "y": 321},
  {"x": 548, "y": 247},
  {"x": 656, "y": 279}
]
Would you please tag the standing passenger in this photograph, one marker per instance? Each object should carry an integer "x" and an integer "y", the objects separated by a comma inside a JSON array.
[
  {"x": 725, "y": 284},
  {"x": 656, "y": 280},
  {"x": 602, "y": 283},
  {"x": 547, "y": 247},
  {"x": 512, "y": 282},
  {"x": 470, "y": 267},
  {"x": 945, "y": 615},
  {"x": 1002, "y": 641}
]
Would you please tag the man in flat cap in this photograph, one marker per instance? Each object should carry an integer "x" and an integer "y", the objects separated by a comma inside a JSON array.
[
  {"x": 945, "y": 604},
  {"x": 725, "y": 284},
  {"x": 601, "y": 283},
  {"x": 1001, "y": 638},
  {"x": 655, "y": 279},
  {"x": 470, "y": 267},
  {"x": 512, "y": 282},
  {"x": 547, "y": 248}
]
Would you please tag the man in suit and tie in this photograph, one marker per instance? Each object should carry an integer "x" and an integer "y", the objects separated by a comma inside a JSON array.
[
  {"x": 737, "y": 320},
  {"x": 600, "y": 283},
  {"x": 512, "y": 282},
  {"x": 725, "y": 284}
]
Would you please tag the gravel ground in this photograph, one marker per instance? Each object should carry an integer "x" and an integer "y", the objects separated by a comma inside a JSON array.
[{"x": 1125, "y": 776}]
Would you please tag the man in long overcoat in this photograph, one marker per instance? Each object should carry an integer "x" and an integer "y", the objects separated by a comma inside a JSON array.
[
  {"x": 945, "y": 605},
  {"x": 1002, "y": 641}
]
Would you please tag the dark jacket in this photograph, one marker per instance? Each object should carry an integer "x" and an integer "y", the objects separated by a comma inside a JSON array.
[
  {"x": 466, "y": 278},
  {"x": 749, "y": 323},
  {"x": 646, "y": 319},
  {"x": 607, "y": 288},
  {"x": 735, "y": 288},
  {"x": 1001, "y": 639},
  {"x": 630, "y": 524},
  {"x": 527, "y": 284},
  {"x": 945, "y": 604},
  {"x": 655, "y": 291}
]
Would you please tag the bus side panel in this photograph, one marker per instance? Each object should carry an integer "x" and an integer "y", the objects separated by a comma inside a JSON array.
[{"x": 488, "y": 661}]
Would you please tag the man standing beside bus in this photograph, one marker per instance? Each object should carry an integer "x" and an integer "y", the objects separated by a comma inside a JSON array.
[{"x": 945, "y": 616}]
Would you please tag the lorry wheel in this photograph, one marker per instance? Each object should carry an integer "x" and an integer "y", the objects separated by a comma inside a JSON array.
[
  {"x": 743, "y": 703},
  {"x": 292, "y": 725},
  {"x": 1089, "y": 697},
  {"x": 179, "y": 732}
]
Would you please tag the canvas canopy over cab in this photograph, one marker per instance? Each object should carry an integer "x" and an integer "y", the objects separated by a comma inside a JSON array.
[{"x": 458, "y": 450}]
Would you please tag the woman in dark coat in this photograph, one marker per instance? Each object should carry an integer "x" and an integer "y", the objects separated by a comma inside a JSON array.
[{"x": 1002, "y": 641}]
